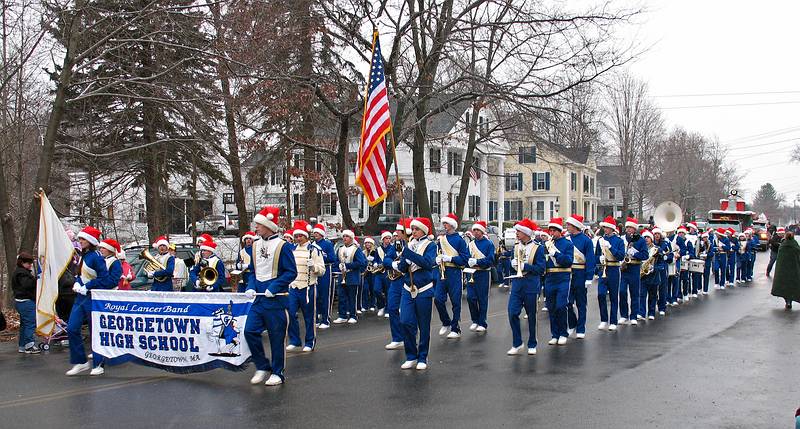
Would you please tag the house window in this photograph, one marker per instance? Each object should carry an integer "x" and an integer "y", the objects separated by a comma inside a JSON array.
[
  {"x": 585, "y": 184},
  {"x": 435, "y": 198},
  {"x": 552, "y": 210},
  {"x": 297, "y": 161},
  {"x": 474, "y": 206},
  {"x": 449, "y": 202},
  {"x": 454, "y": 163},
  {"x": 591, "y": 186},
  {"x": 527, "y": 155},
  {"x": 410, "y": 202},
  {"x": 352, "y": 158},
  {"x": 483, "y": 126},
  {"x": 541, "y": 181},
  {"x": 329, "y": 202},
  {"x": 492, "y": 211},
  {"x": 586, "y": 212},
  {"x": 298, "y": 204},
  {"x": 141, "y": 213},
  {"x": 612, "y": 193},
  {"x": 540, "y": 210},
  {"x": 573, "y": 207},
  {"x": 573, "y": 181},
  {"x": 514, "y": 182},
  {"x": 513, "y": 210},
  {"x": 435, "y": 160}
]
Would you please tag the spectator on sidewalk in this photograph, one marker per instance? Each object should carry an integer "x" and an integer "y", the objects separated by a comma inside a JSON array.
[
  {"x": 774, "y": 243},
  {"x": 23, "y": 283},
  {"x": 786, "y": 283},
  {"x": 127, "y": 272}
]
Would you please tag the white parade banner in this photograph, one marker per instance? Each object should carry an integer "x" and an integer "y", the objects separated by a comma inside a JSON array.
[{"x": 175, "y": 331}]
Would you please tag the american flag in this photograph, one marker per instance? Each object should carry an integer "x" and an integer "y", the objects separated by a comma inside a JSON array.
[
  {"x": 376, "y": 124},
  {"x": 474, "y": 173}
]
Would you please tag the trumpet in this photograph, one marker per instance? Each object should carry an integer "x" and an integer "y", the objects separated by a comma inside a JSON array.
[{"x": 152, "y": 265}]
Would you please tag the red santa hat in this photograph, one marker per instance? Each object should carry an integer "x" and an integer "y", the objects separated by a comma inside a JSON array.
[
  {"x": 90, "y": 234},
  {"x": 349, "y": 233},
  {"x": 742, "y": 235},
  {"x": 682, "y": 229},
  {"x": 730, "y": 231},
  {"x": 319, "y": 229},
  {"x": 162, "y": 240},
  {"x": 422, "y": 223},
  {"x": 386, "y": 234},
  {"x": 657, "y": 230},
  {"x": 576, "y": 221},
  {"x": 268, "y": 216},
  {"x": 480, "y": 225},
  {"x": 209, "y": 245},
  {"x": 452, "y": 219},
  {"x": 704, "y": 235},
  {"x": 527, "y": 227},
  {"x": 693, "y": 226},
  {"x": 721, "y": 231},
  {"x": 401, "y": 225},
  {"x": 204, "y": 237},
  {"x": 632, "y": 222},
  {"x": 780, "y": 230},
  {"x": 369, "y": 240},
  {"x": 249, "y": 234},
  {"x": 288, "y": 236},
  {"x": 301, "y": 227},
  {"x": 647, "y": 233},
  {"x": 544, "y": 235},
  {"x": 609, "y": 222},
  {"x": 111, "y": 245},
  {"x": 556, "y": 223}
]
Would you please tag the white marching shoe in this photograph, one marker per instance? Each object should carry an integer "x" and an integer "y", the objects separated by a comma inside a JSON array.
[
  {"x": 307, "y": 349},
  {"x": 545, "y": 309},
  {"x": 513, "y": 351},
  {"x": 570, "y": 331},
  {"x": 639, "y": 317},
  {"x": 562, "y": 341},
  {"x": 612, "y": 327},
  {"x": 480, "y": 329},
  {"x": 443, "y": 330},
  {"x": 339, "y": 321},
  {"x": 635, "y": 322},
  {"x": 408, "y": 364},
  {"x": 386, "y": 315},
  {"x": 473, "y": 327},
  {"x": 421, "y": 366},
  {"x": 394, "y": 345},
  {"x": 662, "y": 313},
  {"x": 651, "y": 317},
  {"x": 553, "y": 341},
  {"x": 453, "y": 335},
  {"x": 97, "y": 371},
  {"x": 352, "y": 321},
  {"x": 531, "y": 351},
  {"x": 580, "y": 335},
  {"x": 525, "y": 316},
  {"x": 324, "y": 326},
  {"x": 258, "y": 377},
  {"x": 602, "y": 326},
  {"x": 273, "y": 380},
  {"x": 292, "y": 347},
  {"x": 694, "y": 295},
  {"x": 381, "y": 312},
  {"x": 622, "y": 321},
  {"x": 79, "y": 368}
]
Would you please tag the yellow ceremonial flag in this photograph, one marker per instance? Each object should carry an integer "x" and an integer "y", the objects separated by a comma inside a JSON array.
[{"x": 55, "y": 254}]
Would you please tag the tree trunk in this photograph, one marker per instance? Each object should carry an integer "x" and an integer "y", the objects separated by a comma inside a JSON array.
[
  {"x": 472, "y": 142},
  {"x": 56, "y": 113},
  {"x": 306, "y": 60},
  {"x": 152, "y": 197},
  {"x": 6, "y": 219},
  {"x": 342, "y": 173}
]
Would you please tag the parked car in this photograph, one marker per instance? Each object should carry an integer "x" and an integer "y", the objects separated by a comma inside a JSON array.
[
  {"x": 388, "y": 222},
  {"x": 185, "y": 251},
  {"x": 217, "y": 224}
]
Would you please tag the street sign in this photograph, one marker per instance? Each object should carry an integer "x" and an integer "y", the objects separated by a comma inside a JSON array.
[{"x": 227, "y": 198}]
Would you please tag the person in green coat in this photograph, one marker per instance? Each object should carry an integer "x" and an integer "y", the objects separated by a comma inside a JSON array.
[{"x": 786, "y": 283}]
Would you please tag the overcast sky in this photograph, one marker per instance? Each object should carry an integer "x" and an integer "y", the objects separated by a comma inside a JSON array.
[{"x": 707, "y": 47}]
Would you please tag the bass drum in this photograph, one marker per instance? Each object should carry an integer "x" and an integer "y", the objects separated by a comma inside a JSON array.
[{"x": 696, "y": 265}]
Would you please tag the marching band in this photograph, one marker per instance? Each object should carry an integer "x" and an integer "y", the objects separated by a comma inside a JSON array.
[{"x": 639, "y": 275}]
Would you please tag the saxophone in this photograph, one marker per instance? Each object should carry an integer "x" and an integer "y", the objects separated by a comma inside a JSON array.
[{"x": 648, "y": 266}]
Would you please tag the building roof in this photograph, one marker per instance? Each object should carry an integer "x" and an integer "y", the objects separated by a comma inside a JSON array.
[{"x": 610, "y": 174}]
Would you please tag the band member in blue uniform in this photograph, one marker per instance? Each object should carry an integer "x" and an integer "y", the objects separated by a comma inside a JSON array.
[
  {"x": 609, "y": 251},
  {"x": 707, "y": 252},
  {"x": 303, "y": 290},
  {"x": 742, "y": 257},
  {"x": 560, "y": 254},
  {"x": 481, "y": 252},
  {"x": 692, "y": 247},
  {"x": 243, "y": 260},
  {"x": 582, "y": 275},
  {"x": 325, "y": 283},
  {"x": 453, "y": 256},
  {"x": 733, "y": 250},
  {"x": 273, "y": 270},
  {"x": 636, "y": 252},
  {"x": 418, "y": 264},
  {"x": 162, "y": 279},
  {"x": 529, "y": 265},
  {"x": 352, "y": 263},
  {"x": 94, "y": 274},
  {"x": 368, "y": 299},
  {"x": 380, "y": 284},
  {"x": 395, "y": 291},
  {"x": 754, "y": 243},
  {"x": 683, "y": 265},
  {"x": 661, "y": 267},
  {"x": 208, "y": 259},
  {"x": 723, "y": 245}
]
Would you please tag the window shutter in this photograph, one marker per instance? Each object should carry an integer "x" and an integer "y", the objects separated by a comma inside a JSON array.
[
  {"x": 520, "y": 156},
  {"x": 519, "y": 181},
  {"x": 533, "y": 150},
  {"x": 508, "y": 183},
  {"x": 547, "y": 181},
  {"x": 533, "y": 186}
]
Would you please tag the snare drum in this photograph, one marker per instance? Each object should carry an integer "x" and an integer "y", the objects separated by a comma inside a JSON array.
[{"x": 696, "y": 265}]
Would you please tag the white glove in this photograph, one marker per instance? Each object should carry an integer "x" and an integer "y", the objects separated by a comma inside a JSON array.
[
  {"x": 447, "y": 258},
  {"x": 370, "y": 258},
  {"x": 605, "y": 244},
  {"x": 472, "y": 262},
  {"x": 149, "y": 275},
  {"x": 439, "y": 259},
  {"x": 685, "y": 257},
  {"x": 704, "y": 255},
  {"x": 250, "y": 293},
  {"x": 514, "y": 263},
  {"x": 394, "y": 266},
  {"x": 79, "y": 288},
  {"x": 197, "y": 283},
  {"x": 210, "y": 288},
  {"x": 588, "y": 283},
  {"x": 665, "y": 257},
  {"x": 408, "y": 262},
  {"x": 268, "y": 293},
  {"x": 631, "y": 252},
  {"x": 602, "y": 259},
  {"x": 377, "y": 265},
  {"x": 310, "y": 262},
  {"x": 552, "y": 251},
  {"x": 238, "y": 266},
  {"x": 342, "y": 267}
]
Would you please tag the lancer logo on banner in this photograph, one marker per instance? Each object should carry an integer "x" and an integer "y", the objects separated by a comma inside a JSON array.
[{"x": 174, "y": 331}]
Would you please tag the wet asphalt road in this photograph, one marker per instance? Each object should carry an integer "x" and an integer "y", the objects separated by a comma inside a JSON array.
[{"x": 728, "y": 360}]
